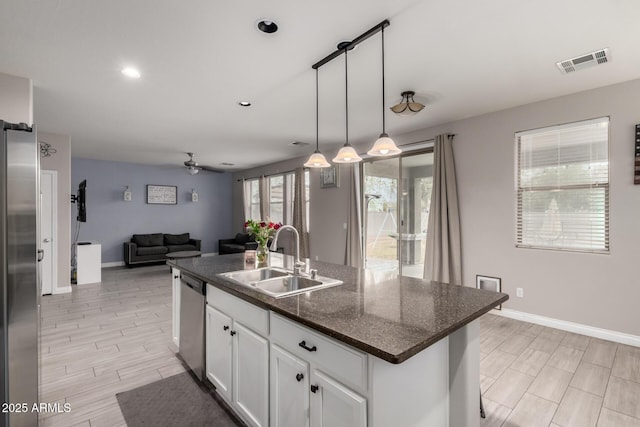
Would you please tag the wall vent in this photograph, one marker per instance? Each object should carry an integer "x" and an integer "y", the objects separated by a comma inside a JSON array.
[{"x": 597, "y": 57}]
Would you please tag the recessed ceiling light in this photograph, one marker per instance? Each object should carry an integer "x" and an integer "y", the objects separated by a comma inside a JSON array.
[
  {"x": 244, "y": 103},
  {"x": 131, "y": 72},
  {"x": 267, "y": 26}
]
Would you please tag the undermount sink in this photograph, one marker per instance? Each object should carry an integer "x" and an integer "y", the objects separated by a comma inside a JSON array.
[{"x": 279, "y": 283}]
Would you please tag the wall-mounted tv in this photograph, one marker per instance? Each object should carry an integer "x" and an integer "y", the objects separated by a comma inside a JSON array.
[{"x": 81, "y": 200}]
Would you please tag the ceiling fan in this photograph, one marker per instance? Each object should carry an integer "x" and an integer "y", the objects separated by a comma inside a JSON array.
[{"x": 193, "y": 167}]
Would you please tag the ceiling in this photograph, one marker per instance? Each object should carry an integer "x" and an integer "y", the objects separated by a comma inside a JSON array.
[{"x": 199, "y": 58}]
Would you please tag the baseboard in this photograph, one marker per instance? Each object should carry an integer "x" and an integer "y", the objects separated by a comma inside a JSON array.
[
  {"x": 62, "y": 290},
  {"x": 577, "y": 328},
  {"x": 210, "y": 254},
  {"x": 112, "y": 264}
]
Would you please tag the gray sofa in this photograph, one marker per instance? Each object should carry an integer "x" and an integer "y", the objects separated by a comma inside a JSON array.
[
  {"x": 152, "y": 248},
  {"x": 238, "y": 244}
]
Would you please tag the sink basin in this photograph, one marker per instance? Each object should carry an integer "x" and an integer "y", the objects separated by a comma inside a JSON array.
[
  {"x": 249, "y": 277},
  {"x": 278, "y": 283}
]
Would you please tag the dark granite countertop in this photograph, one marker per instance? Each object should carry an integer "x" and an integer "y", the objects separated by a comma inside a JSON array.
[{"x": 391, "y": 318}]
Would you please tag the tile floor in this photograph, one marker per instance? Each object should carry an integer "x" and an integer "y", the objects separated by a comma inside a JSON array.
[
  {"x": 532, "y": 375},
  {"x": 106, "y": 338}
]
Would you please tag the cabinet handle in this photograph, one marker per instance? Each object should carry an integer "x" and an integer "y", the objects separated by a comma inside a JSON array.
[
  {"x": 303, "y": 344},
  {"x": 299, "y": 377},
  {"x": 314, "y": 388},
  {"x": 225, "y": 328},
  {"x": 232, "y": 333},
  {"x": 176, "y": 277}
]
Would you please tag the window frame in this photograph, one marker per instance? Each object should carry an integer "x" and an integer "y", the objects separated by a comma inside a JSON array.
[{"x": 521, "y": 191}]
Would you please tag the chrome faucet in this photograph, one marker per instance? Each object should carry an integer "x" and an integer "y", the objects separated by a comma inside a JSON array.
[{"x": 298, "y": 266}]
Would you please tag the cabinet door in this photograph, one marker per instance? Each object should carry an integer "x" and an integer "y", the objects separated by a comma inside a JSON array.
[
  {"x": 289, "y": 389},
  {"x": 251, "y": 375},
  {"x": 175, "y": 307},
  {"x": 219, "y": 351},
  {"x": 334, "y": 405}
]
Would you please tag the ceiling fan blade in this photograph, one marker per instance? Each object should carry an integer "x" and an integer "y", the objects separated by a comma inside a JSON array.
[{"x": 210, "y": 169}]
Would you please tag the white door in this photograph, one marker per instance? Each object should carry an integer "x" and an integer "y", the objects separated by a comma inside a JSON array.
[
  {"x": 219, "y": 351},
  {"x": 48, "y": 230},
  {"x": 289, "y": 389},
  {"x": 334, "y": 405},
  {"x": 251, "y": 375}
]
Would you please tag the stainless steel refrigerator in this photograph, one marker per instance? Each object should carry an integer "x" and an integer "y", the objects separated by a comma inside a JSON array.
[{"x": 19, "y": 287}]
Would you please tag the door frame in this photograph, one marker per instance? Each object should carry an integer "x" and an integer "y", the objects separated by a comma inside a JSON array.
[{"x": 54, "y": 228}]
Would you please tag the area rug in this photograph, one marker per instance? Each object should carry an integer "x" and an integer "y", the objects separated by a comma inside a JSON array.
[{"x": 175, "y": 401}]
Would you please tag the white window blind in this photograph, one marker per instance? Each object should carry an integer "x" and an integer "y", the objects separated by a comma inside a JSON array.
[{"x": 562, "y": 187}]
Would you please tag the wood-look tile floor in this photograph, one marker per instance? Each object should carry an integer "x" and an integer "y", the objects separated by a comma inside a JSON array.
[
  {"x": 531, "y": 375},
  {"x": 105, "y": 338}
]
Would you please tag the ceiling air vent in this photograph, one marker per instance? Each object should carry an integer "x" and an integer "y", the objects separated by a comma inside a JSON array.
[{"x": 601, "y": 56}]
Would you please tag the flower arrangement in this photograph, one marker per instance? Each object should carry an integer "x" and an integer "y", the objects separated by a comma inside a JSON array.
[{"x": 262, "y": 231}]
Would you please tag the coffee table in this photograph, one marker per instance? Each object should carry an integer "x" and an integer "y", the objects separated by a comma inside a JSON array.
[{"x": 183, "y": 254}]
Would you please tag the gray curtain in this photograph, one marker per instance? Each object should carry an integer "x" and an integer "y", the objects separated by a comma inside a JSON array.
[
  {"x": 443, "y": 254},
  {"x": 245, "y": 201},
  {"x": 264, "y": 198},
  {"x": 300, "y": 212},
  {"x": 353, "y": 255}
]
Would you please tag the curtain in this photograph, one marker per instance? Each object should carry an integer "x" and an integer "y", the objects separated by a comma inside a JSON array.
[
  {"x": 264, "y": 198},
  {"x": 353, "y": 256},
  {"x": 443, "y": 253},
  {"x": 246, "y": 202},
  {"x": 300, "y": 212}
]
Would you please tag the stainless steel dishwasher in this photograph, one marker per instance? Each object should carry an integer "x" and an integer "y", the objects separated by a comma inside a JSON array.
[{"x": 192, "y": 308}]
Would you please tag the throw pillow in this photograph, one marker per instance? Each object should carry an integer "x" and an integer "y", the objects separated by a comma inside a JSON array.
[{"x": 176, "y": 239}]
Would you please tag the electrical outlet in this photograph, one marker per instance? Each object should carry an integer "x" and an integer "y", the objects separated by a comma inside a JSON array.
[
  {"x": 520, "y": 292},
  {"x": 316, "y": 257},
  {"x": 344, "y": 225}
]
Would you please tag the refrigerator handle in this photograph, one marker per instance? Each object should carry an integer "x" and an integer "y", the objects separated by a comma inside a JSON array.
[{"x": 40, "y": 254}]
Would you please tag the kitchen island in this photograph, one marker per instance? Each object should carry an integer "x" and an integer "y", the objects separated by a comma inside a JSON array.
[{"x": 399, "y": 352}]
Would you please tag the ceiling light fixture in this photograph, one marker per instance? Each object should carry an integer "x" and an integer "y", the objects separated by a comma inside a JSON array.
[
  {"x": 384, "y": 146},
  {"x": 131, "y": 72},
  {"x": 267, "y": 26},
  {"x": 347, "y": 153},
  {"x": 407, "y": 106},
  {"x": 193, "y": 170},
  {"x": 244, "y": 104},
  {"x": 317, "y": 159}
]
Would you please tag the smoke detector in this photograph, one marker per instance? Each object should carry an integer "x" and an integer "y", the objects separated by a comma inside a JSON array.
[{"x": 591, "y": 59}]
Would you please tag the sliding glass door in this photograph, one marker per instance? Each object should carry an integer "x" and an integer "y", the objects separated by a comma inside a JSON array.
[{"x": 397, "y": 195}]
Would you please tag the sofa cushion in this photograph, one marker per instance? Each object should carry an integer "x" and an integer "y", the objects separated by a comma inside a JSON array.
[
  {"x": 242, "y": 238},
  {"x": 152, "y": 250},
  {"x": 176, "y": 239},
  {"x": 230, "y": 248},
  {"x": 146, "y": 240},
  {"x": 181, "y": 248}
]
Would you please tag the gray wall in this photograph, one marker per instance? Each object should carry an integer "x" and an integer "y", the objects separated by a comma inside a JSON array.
[
  {"x": 16, "y": 102},
  {"x": 61, "y": 162},
  {"x": 111, "y": 221},
  {"x": 591, "y": 289}
]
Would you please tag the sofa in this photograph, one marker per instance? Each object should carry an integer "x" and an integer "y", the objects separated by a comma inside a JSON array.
[
  {"x": 238, "y": 244},
  {"x": 152, "y": 248}
]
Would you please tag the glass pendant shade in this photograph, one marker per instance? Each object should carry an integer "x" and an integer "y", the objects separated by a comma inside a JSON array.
[
  {"x": 347, "y": 154},
  {"x": 193, "y": 170},
  {"x": 317, "y": 160},
  {"x": 384, "y": 146}
]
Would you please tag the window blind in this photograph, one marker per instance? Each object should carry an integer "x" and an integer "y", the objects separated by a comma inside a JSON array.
[{"x": 562, "y": 187}]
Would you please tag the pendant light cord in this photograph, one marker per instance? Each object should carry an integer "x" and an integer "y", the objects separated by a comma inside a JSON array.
[
  {"x": 383, "y": 121},
  {"x": 317, "y": 114},
  {"x": 346, "y": 96}
]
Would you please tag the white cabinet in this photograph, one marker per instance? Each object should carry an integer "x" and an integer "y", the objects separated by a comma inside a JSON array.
[
  {"x": 289, "y": 389},
  {"x": 334, "y": 405},
  {"x": 302, "y": 394},
  {"x": 237, "y": 355},
  {"x": 175, "y": 308}
]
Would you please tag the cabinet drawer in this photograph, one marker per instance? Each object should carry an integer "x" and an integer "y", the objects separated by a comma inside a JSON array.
[
  {"x": 346, "y": 364},
  {"x": 251, "y": 316}
]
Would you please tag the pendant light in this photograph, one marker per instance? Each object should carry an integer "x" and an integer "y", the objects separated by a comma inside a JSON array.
[
  {"x": 347, "y": 153},
  {"x": 384, "y": 146},
  {"x": 317, "y": 159}
]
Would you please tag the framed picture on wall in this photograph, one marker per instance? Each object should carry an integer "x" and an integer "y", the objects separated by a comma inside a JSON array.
[
  {"x": 329, "y": 177},
  {"x": 162, "y": 194},
  {"x": 489, "y": 283}
]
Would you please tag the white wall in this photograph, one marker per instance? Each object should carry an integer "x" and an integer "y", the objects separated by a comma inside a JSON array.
[
  {"x": 16, "y": 102},
  {"x": 591, "y": 289},
  {"x": 61, "y": 162}
]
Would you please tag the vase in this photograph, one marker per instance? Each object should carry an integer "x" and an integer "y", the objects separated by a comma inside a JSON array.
[{"x": 262, "y": 254}]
